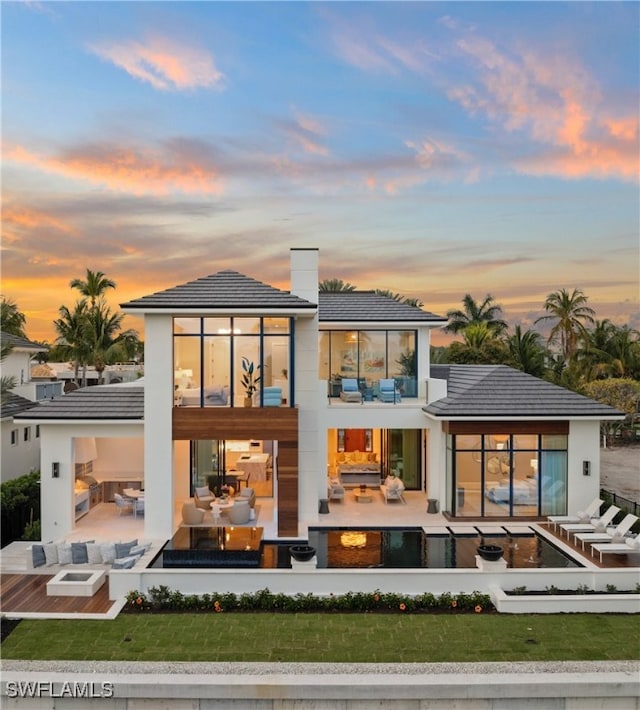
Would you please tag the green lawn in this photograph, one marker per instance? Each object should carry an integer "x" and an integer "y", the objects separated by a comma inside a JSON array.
[{"x": 355, "y": 638}]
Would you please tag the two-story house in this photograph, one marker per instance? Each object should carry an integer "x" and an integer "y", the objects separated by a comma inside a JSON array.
[
  {"x": 21, "y": 443},
  {"x": 294, "y": 387}
]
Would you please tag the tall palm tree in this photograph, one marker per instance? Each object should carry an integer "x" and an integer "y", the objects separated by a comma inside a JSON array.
[
  {"x": 488, "y": 312},
  {"x": 71, "y": 334},
  {"x": 570, "y": 313},
  {"x": 12, "y": 320},
  {"x": 610, "y": 351},
  {"x": 335, "y": 286},
  {"x": 527, "y": 354},
  {"x": 94, "y": 286},
  {"x": 480, "y": 346}
]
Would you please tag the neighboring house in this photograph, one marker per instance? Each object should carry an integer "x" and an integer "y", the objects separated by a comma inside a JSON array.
[
  {"x": 21, "y": 443},
  {"x": 476, "y": 441}
]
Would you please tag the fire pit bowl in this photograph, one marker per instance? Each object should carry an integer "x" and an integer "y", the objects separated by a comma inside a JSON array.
[
  {"x": 302, "y": 553},
  {"x": 491, "y": 553}
]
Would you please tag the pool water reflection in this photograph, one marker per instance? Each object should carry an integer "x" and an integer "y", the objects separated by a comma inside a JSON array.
[{"x": 412, "y": 548}]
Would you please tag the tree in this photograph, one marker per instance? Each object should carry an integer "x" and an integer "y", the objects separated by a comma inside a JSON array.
[
  {"x": 71, "y": 334},
  {"x": 480, "y": 346},
  {"x": 94, "y": 286},
  {"x": 619, "y": 392},
  {"x": 12, "y": 320},
  {"x": 487, "y": 312},
  {"x": 104, "y": 342},
  {"x": 569, "y": 313},
  {"x": 6, "y": 383},
  {"x": 335, "y": 286},
  {"x": 399, "y": 297},
  {"x": 526, "y": 352}
]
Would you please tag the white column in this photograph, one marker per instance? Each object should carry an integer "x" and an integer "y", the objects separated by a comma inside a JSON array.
[
  {"x": 158, "y": 445},
  {"x": 304, "y": 283}
]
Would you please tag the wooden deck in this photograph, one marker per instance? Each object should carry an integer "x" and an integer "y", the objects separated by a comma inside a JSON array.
[
  {"x": 27, "y": 593},
  {"x": 608, "y": 561}
]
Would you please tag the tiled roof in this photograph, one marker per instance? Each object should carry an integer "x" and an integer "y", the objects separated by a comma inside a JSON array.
[
  {"x": 358, "y": 306},
  {"x": 14, "y": 404},
  {"x": 100, "y": 402},
  {"x": 224, "y": 290},
  {"x": 22, "y": 343},
  {"x": 501, "y": 391}
]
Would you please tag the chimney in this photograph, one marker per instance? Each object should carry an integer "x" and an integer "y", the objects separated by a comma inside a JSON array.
[{"x": 304, "y": 274}]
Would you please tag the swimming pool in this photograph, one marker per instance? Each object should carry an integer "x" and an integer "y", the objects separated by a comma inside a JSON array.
[{"x": 367, "y": 548}]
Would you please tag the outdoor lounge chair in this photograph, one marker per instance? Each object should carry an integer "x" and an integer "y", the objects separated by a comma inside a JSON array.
[
  {"x": 613, "y": 534},
  {"x": 190, "y": 514},
  {"x": 239, "y": 513},
  {"x": 350, "y": 391},
  {"x": 630, "y": 546},
  {"x": 335, "y": 489},
  {"x": 581, "y": 516},
  {"x": 388, "y": 392},
  {"x": 594, "y": 525}
]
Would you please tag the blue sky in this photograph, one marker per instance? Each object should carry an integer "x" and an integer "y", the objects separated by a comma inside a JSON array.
[{"x": 433, "y": 149}]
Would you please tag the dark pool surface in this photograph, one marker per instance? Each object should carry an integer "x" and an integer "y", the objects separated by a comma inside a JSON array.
[
  {"x": 412, "y": 548},
  {"x": 368, "y": 548}
]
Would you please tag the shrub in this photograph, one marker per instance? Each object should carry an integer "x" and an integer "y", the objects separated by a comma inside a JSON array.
[{"x": 161, "y": 598}]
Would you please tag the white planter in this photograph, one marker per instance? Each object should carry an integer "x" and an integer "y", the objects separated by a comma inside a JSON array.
[{"x": 564, "y": 603}]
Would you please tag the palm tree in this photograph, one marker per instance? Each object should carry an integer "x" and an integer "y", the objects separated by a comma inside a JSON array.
[
  {"x": 570, "y": 313},
  {"x": 399, "y": 297},
  {"x": 71, "y": 334},
  {"x": 488, "y": 312},
  {"x": 610, "y": 351},
  {"x": 480, "y": 346},
  {"x": 94, "y": 286},
  {"x": 106, "y": 344},
  {"x": 527, "y": 354},
  {"x": 6, "y": 383},
  {"x": 12, "y": 321},
  {"x": 335, "y": 286}
]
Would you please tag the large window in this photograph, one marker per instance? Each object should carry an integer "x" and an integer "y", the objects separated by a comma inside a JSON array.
[
  {"x": 369, "y": 356},
  {"x": 212, "y": 357},
  {"x": 514, "y": 475}
]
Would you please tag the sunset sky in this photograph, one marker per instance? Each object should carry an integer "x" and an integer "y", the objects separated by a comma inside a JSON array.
[{"x": 433, "y": 149}]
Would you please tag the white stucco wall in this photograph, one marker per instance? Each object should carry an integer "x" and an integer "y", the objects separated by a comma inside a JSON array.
[
  {"x": 584, "y": 445},
  {"x": 24, "y": 456},
  {"x": 304, "y": 283},
  {"x": 158, "y": 445}
]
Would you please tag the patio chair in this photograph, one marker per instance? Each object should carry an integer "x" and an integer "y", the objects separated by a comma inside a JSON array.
[
  {"x": 580, "y": 516},
  {"x": 191, "y": 515},
  {"x": 335, "y": 489},
  {"x": 203, "y": 497},
  {"x": 350, "y": 391},
  {"x": 247, "y": 494},
  {"x": 123, "y": 505},
  {"x": 239, "y": 513},
  {"x": 138, "y": 506},
  {"x": 388, "y": 392},
  {"x": 614, "y": 534},
  {"x": 594, "y": 525},
  {"x": 393, "y": 489}
]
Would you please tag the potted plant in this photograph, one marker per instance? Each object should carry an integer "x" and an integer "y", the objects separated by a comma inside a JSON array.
[{"x": 250, "y": 380}]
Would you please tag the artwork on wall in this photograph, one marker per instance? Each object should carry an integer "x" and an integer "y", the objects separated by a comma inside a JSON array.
[
  {"x": 340, "y": 439},
  {"x": 348, "y": 362},
  {"x": 368, "y": 440}
]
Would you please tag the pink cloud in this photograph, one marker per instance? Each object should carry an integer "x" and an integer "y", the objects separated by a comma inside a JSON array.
[
  {"x": 552, "y": 98},
  {"x": 127, "y": 169},
  {"x": 163, "y": 63}
]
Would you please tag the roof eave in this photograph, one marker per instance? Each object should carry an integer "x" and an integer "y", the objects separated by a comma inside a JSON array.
[
  {"x": 337, "y": 323},
  {"x": 521, "y": 417},
  {"x": 76, "y": 420},
  {"x": 305, "y": 311}
]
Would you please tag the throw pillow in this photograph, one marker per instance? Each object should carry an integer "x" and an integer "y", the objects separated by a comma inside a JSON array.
[
  {"x": 138, "y": 550},
  {"x": 203, "y": 492},
  {"x": 64, "y": 553},
  {"x": 108, "y": 552},
  {"x": 94, "y": 555},
  {"x": 51, "y": 553},
  {"x": 124, "y": 563},
  {"x": 37, "y": 556},
  {"x": 124, "y": 548},
  {"x": 79, "y": 553}
]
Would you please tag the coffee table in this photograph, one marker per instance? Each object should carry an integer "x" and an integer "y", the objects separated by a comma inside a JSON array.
[
  {"x": 217, "y": 506},
  {"x": 363, "y": 496}
]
